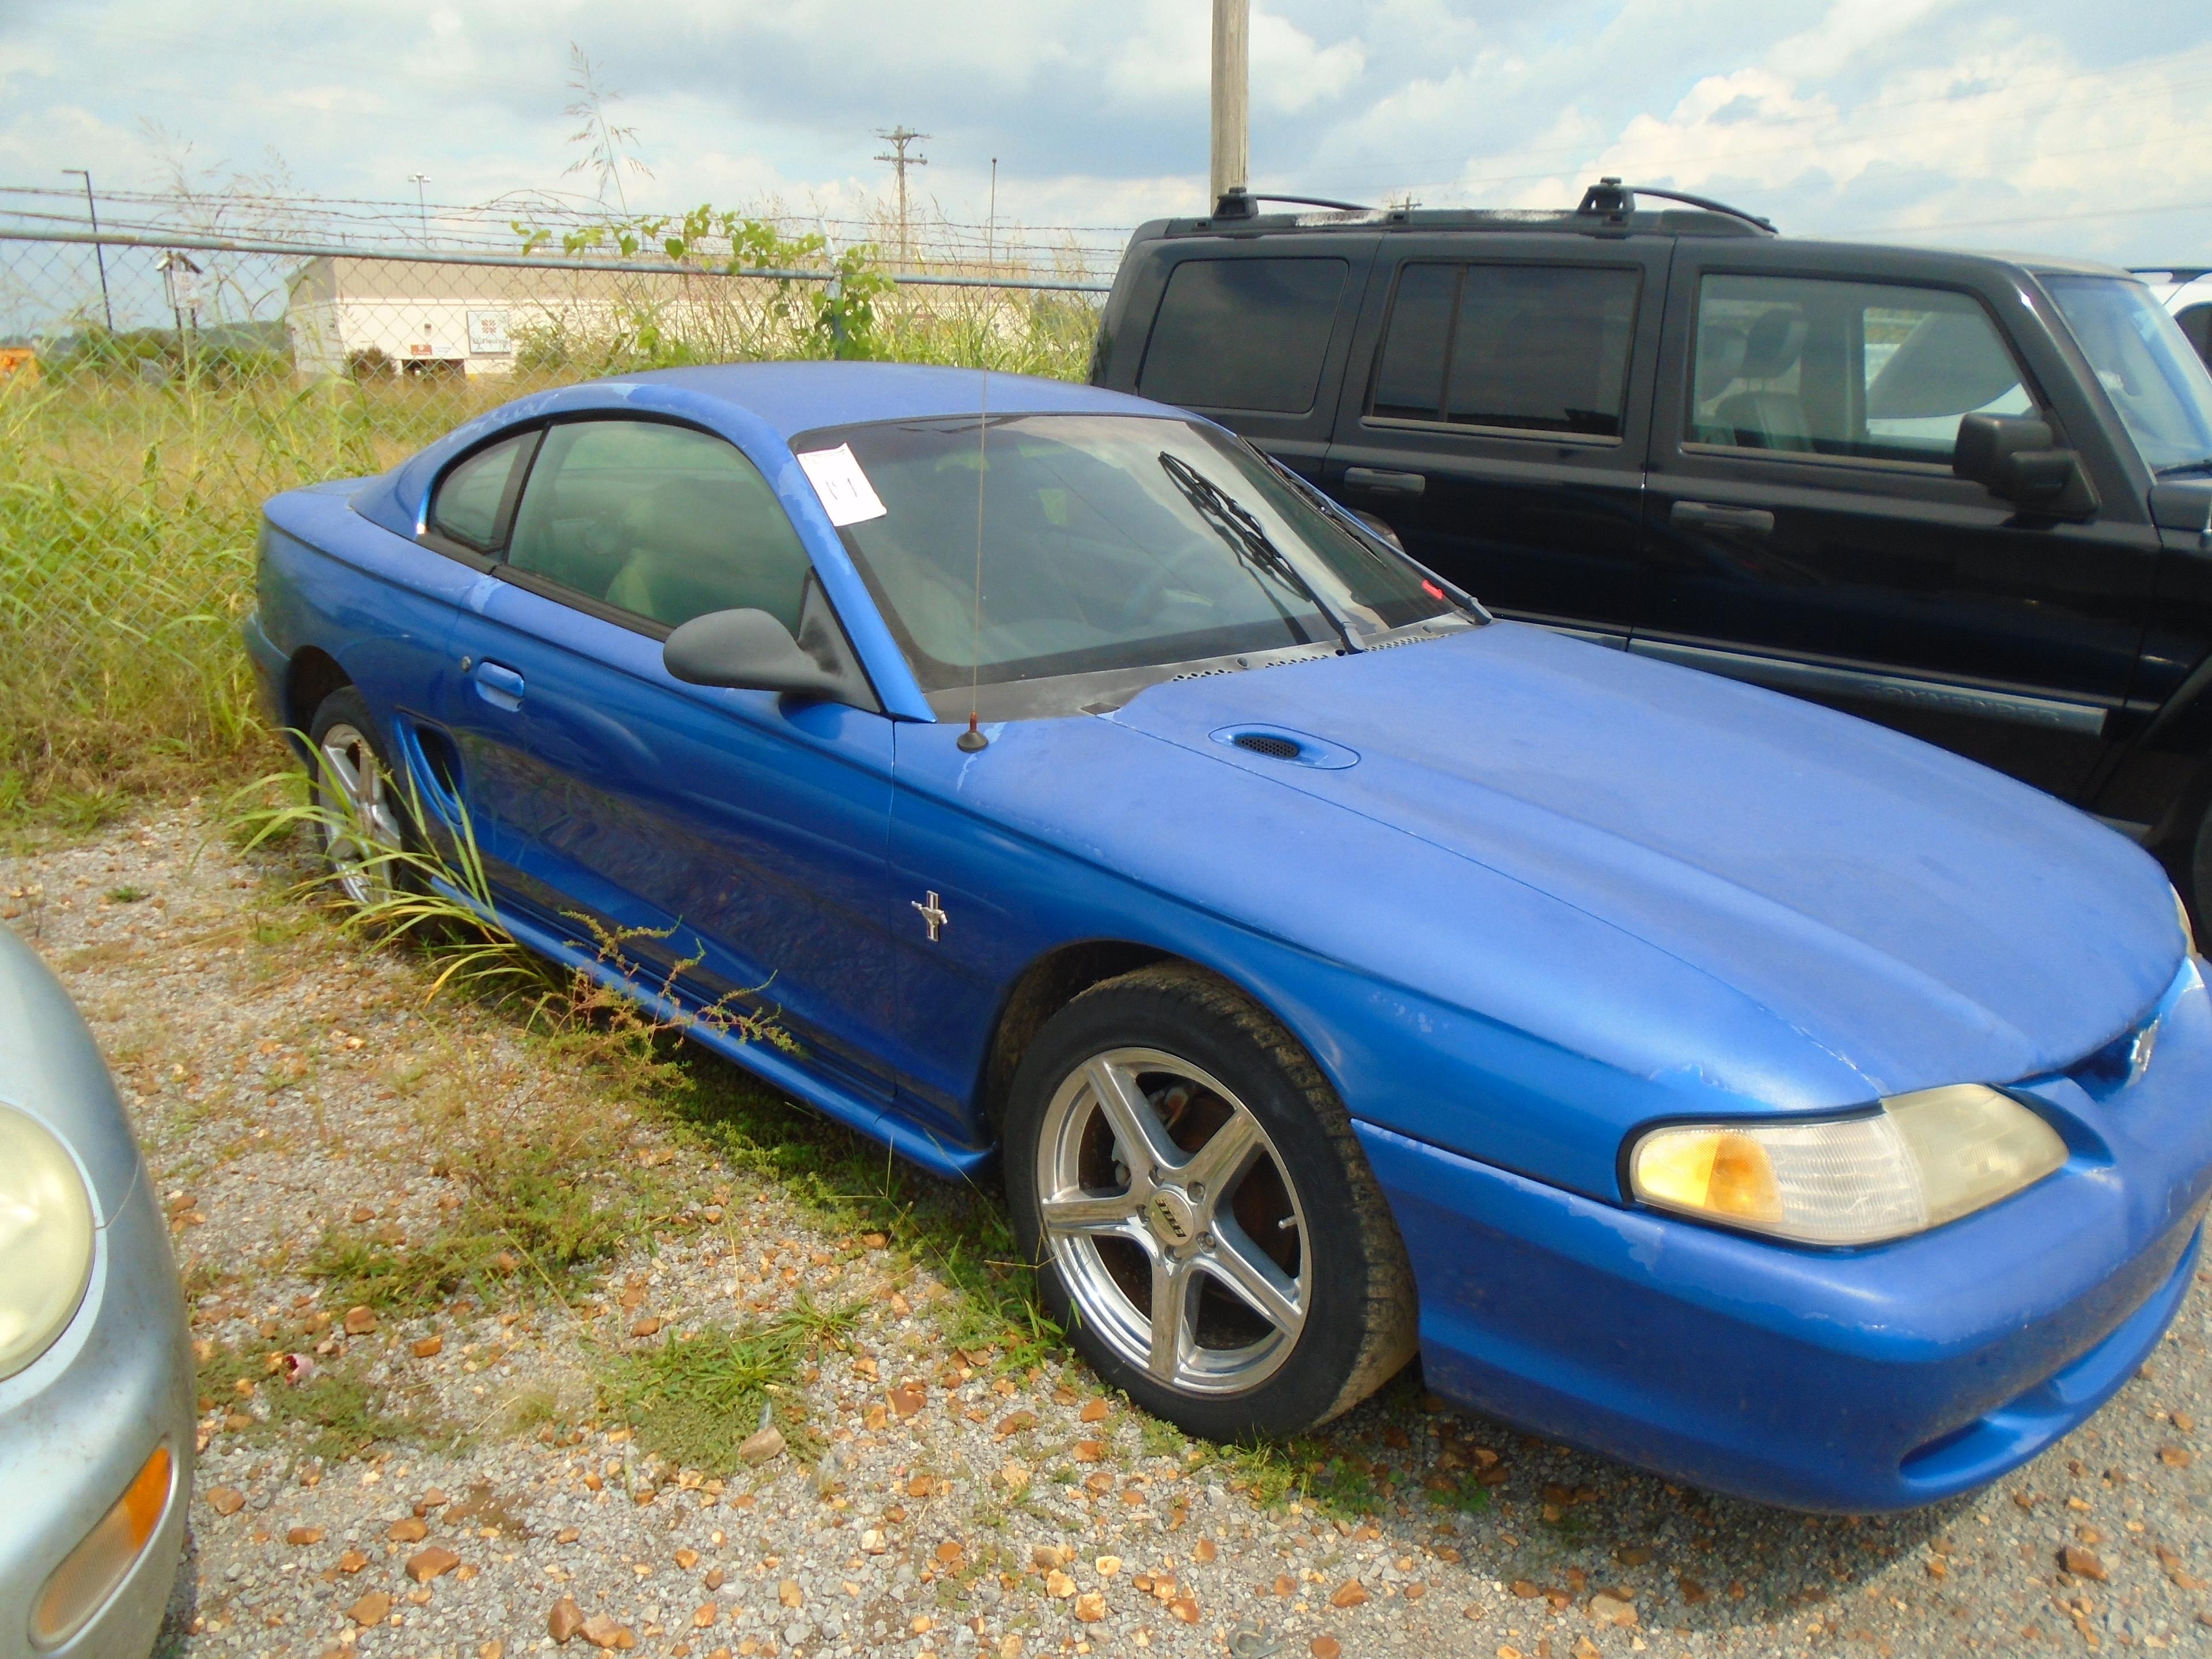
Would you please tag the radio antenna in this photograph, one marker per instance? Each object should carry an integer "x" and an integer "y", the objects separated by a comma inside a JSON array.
[{"x": 973, "y": 740}]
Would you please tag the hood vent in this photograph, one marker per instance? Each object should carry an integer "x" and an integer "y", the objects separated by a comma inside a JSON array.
[{"x": 1281, "y": 743}]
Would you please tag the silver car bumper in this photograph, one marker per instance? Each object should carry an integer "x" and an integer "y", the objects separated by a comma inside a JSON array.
[{"x": 78, "y": 1426}]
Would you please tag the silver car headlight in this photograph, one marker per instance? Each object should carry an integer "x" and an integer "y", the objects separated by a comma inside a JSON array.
[
  {"x": 1922, "y": 1160},
  {"x": 46, "y": 1239}
]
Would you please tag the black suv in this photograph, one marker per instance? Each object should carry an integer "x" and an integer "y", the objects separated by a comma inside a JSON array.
[{"x": 1967, "y": 496}]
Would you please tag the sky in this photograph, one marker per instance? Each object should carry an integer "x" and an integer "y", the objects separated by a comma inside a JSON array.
[{"x": 2044, "y": 124}]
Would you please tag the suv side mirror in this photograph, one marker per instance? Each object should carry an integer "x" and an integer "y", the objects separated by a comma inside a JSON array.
[
  {"x": 748, "y": 651},
  {"x": 2016, "y": 458}
]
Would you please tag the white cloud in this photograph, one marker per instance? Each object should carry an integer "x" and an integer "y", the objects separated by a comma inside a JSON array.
[{"x": 1848, "y": 117}]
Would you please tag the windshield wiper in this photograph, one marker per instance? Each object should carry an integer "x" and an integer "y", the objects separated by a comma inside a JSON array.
[
  {"x": 1364, "y": 534},
  {"x": 2180, "y": 467},
  {"x": 1235, "y": 525}
]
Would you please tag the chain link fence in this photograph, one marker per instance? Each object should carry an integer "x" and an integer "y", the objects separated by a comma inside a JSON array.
[{"x": 155, "y": 393}]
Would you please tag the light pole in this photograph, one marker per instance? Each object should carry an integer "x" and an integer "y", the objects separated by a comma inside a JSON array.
[
  {"x": 422, "y": 205},
  {"x": 99, "y": 253}
]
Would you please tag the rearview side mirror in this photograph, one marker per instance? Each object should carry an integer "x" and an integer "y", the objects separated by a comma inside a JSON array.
[
  {"x": 2016, "y": 458},
  {"x": 748, "y": 651}
]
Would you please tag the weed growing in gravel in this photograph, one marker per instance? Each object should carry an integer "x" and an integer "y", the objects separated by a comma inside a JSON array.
[
  {"x": 532, "y": 1216},
  {"x": 337, "y": 1414},
  {"x": 694, "y": 1399}
]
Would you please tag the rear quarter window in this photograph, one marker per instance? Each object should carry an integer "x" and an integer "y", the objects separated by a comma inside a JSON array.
[{"x": 1243, "y": 333}]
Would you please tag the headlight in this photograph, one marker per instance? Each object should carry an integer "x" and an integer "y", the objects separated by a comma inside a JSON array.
[
  {"x": 1922, "y": 1160},
  {"x": 46, "y": 1239}
]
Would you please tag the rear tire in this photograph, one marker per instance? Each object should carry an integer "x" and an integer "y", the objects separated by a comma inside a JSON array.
[
  {"x": 362, "y": 822},
  {"x": 1168, "y": 1145}
]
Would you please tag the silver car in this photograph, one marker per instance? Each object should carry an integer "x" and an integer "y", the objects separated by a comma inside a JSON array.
[{"x": 95, "y": 1364}]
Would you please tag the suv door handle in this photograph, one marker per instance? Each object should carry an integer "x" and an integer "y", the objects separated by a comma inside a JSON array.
[
  {"x": 1705, "y": 515},
  {"x": 499, "y": 685},
  {"x": 1388, "y": 483}
]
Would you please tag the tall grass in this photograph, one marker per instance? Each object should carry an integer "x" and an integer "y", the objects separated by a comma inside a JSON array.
[{"x": 129, "y": 513}]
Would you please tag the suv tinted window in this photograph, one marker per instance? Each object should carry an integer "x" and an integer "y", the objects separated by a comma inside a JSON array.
[
  {"x": 1528, "y": 348},
  {"x": 1861, "y": 369},
  {"x": 1243, "y": 333},
  {"x": 2197, "y": 323},
  {"x": 661, "y": 521},
  {"x": 467, "y": 507}
]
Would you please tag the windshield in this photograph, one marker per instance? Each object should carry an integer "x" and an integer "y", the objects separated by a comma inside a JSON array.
[
  {"x": 1107, "y": 542},
  {"x": 2155, "y": 377}
]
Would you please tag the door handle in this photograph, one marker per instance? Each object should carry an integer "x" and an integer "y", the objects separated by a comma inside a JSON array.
[
  {"x": 499, "y": 685},
  {"x": 1387, "y": 483},
  {"x": 1738, "y": 520}
]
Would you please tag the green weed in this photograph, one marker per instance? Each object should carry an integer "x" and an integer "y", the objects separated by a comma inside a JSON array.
[
  {"x": 336, "y": 1415},
  {"x": 694, "y": 1399},
  {"x": 532, "y": 1219}
]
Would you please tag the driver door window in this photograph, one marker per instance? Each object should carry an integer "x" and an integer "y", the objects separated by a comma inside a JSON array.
[
  {"x": 1863, "y": 371},
  {"x": 657, "y": 524}
]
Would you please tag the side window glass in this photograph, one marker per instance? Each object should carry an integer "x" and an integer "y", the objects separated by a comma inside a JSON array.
[
  {"x": 1525, "y": 347},
  {"x": 1542, "y": 349},
  {"x": 466, "y": 508},
  {"x": 1865, "y": 370},
  {"x": 1409, "y": 378},
  {"x": 1243, "y": 333},
  {"x": 661, "y": 521}
]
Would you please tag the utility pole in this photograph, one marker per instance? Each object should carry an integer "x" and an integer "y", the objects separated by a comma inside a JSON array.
[
  {"x": 99, "y": 253},
  {"x": 422, "y": 204},
  {"x": 1232, "y": 98},
  {"x": 899, "y": 138}
]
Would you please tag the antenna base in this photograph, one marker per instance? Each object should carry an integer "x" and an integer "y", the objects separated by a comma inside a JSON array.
[{"x": 971, "y": 741}]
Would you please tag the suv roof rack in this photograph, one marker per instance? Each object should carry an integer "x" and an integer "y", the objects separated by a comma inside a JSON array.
[
  {"x": 1611, "y": 198},
  {"x": 1238, "y": 203},
  {"x": 1608, "y": 209}
]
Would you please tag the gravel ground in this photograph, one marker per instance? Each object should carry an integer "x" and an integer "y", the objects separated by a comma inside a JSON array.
[{"x": 284, "y": 1080}]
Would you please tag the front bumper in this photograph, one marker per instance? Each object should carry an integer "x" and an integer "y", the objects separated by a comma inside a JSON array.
[
  {"x": 79, "y": 1424},
  {"x": 1855, "y": 1381}
]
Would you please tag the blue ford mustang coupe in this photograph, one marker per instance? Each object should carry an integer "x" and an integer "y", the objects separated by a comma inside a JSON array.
[{"x": 1697, "y": 1076}]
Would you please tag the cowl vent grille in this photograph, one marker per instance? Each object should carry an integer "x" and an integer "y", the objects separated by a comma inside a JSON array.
[{"x": 1260, "y": 743}]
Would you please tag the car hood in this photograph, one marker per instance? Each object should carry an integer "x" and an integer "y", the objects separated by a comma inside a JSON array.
[{"x": 1914, "y": 916}]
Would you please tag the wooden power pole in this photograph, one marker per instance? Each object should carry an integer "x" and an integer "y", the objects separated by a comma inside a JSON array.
[
  {"x": 900, "y": 138},
  {"x": 1232, "y": 97}
]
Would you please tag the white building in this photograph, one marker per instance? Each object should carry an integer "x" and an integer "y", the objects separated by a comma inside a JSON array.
[{"x": 348, "y": 315}]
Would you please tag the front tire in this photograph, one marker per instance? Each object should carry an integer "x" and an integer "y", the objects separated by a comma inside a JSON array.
[{"x": 1205, "y": 1225}]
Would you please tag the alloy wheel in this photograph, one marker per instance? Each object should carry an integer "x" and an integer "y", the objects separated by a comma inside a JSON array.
[
  {"x": 361, "y": 830},
  {"x": 1173, "y": 1223}
]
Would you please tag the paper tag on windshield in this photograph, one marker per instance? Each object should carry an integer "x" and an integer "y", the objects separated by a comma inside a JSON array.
[{"x": 846, "y": 494}]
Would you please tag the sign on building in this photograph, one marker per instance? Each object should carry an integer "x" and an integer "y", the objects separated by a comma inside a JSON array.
[{"x": 488, "y": 334}]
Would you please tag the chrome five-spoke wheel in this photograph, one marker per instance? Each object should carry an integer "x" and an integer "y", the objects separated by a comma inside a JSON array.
[
  {"x": 1168, "y": 1213},
  {"x": 1203, "y": 1222}
]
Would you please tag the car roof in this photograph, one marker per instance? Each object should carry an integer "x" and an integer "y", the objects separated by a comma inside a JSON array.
[{"x": 796, "y": 397}]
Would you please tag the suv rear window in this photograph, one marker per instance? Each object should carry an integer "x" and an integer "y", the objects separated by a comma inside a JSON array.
[
  {"x": 1525, "y": 347},
  {"x": 1243, "y": 333}
]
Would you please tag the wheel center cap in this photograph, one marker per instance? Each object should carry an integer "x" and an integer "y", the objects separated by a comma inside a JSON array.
[{"x": 1173, "y": 1220}]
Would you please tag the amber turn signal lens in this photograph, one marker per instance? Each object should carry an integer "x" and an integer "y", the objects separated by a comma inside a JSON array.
[{"x": 93, "y": 1569}]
